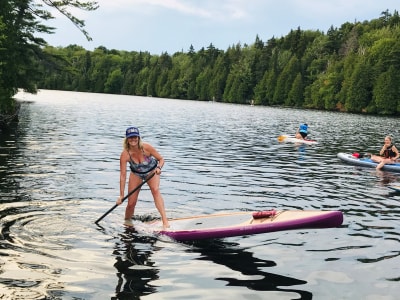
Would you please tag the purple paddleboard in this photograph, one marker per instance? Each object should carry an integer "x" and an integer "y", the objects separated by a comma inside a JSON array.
[{"x": 246, "y": 223}]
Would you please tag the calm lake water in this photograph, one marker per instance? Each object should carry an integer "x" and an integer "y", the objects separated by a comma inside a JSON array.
[{"x": 59, "y": 172}]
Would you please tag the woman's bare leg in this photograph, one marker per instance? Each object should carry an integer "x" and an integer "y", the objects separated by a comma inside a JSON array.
[
  {"x": 154, "y": 185},
  {"x": 134, "y": 181}
]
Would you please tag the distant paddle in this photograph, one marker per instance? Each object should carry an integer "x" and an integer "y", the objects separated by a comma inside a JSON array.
[
  {"x": 281, "y": 138},
  {"x": 123, "y": 199}
]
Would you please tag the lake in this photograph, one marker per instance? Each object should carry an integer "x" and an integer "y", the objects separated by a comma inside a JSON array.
[{"x": 59, "y": 172}]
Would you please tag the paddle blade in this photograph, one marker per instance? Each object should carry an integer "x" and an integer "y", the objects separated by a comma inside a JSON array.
[
  {"x": 281, "y": 138},
  {"x": 126, "y": 197}
]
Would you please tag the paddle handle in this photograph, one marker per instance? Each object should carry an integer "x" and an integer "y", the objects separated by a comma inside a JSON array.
[{"x": 123, "y": 199}]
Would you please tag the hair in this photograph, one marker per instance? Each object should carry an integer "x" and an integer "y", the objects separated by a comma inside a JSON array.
[{"x": 126, "y": 144}]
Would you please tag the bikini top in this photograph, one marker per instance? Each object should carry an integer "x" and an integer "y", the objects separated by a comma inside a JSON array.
[{"x": 149, "y": 164}]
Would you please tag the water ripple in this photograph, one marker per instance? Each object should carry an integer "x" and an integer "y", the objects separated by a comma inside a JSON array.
[{"x": 59, "y": 172}]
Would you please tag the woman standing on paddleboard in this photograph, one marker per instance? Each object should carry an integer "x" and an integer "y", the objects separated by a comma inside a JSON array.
[
  {"x": 388, "y": 154},
  {"x": 145, "y": 163}
]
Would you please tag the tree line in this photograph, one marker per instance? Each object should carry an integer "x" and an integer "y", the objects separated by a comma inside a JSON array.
[{"x": 352, "y": 69}]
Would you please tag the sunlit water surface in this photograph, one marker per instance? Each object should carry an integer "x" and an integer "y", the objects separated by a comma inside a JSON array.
[{"x": 59, "y": 172}]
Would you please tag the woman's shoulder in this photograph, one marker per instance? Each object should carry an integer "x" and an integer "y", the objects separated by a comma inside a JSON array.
[
  {"x": 124, "y": 155},
  {"x": 148, "y": 149},
  {"x": 147, "y": 145}
]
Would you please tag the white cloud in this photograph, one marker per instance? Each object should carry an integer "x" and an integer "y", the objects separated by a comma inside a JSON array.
[
  {"x": 207, "y": 9},
  {"x": 173, "y": 25}
]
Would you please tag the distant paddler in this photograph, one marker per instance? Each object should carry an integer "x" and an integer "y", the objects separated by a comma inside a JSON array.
[{"x": 302, "y": 131}]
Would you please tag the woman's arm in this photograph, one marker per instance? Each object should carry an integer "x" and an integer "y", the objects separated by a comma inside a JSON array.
[
  {"x": 382, "y": 150},
  {"x": 122, "y": 174},
  {"x": 395, "y": 151}
]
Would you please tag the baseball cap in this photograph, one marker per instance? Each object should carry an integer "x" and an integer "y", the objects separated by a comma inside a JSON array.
[{"x": 132, "y": 131}]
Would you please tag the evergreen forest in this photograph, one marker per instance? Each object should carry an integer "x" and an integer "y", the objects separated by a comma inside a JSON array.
[{"x": 351, "y": 69}]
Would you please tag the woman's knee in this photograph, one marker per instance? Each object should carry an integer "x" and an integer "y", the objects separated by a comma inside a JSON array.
[
  {"x": 155, "y": 191},
  {"x": 132, "y": 200}
]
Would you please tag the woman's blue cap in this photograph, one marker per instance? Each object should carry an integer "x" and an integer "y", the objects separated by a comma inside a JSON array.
[{"x": 132, "y": 131}]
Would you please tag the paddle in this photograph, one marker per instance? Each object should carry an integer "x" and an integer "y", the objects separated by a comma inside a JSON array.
[
  {"x": 123, "y": 199},
  {"x": 281, "y": 138}
]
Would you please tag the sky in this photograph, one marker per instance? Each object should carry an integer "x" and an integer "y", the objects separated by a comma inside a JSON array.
[{"x": 160, "y": 26}]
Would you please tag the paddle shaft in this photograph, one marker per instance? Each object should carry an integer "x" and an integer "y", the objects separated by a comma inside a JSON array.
[{"x": 123, "y": 199}]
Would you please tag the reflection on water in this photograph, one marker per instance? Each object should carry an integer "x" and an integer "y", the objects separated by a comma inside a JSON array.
[
  {"x": 135, "y": 268},
  {"x": 251, "y": 268},
  {"x": 59, "y": 172}
]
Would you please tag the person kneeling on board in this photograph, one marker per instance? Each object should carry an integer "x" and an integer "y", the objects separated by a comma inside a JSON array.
[
  {"x": 302, "y": 131},
  {"x": 144, "y": 160},
  {"x": 388, "y": 154}
]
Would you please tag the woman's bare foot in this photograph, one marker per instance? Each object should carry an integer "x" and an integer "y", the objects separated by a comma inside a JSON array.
[{"x": 128, "y": 222}]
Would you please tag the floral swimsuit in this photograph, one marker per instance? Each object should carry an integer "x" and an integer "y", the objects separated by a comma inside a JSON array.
[{"x": 143, "y": 169}]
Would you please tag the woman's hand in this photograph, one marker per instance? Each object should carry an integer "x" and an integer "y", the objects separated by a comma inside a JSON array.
[
  {"x": 119, "y": 200},
  {"x": 383, "y": 150},
  {"x": 158, "y": 170}
]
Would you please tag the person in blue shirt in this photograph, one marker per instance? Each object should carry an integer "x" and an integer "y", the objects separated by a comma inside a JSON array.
[{"x": 302, "y": 131}]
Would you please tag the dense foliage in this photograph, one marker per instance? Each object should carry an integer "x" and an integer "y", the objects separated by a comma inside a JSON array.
[
  {"x": 351, "y": 68},
  {"x": 21, "y": 51}
]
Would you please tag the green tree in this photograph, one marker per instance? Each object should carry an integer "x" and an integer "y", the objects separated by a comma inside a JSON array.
[
  {"x": 219, "y": 75},
  {"x": 113, "y": 84},
  {"x": 238, "y": 89},
  {"x": 325, "y": 89},
  {"x": 20, "y": 49},
  {"x": 386, "y": 92},
  {"x": 331, "y": 89},
  {"x": 296, "y": 93},
  {"x": 142, "y": 81},
  {"x": 285, "y": 81},
  {"x": 360, "y": 92},
  {"x": 314, "y": 94}
]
